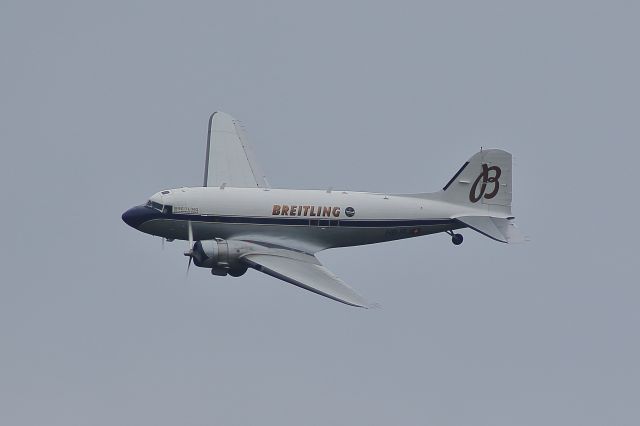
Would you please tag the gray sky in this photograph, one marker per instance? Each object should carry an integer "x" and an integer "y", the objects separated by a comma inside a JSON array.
[{"x": 103, "y": 104}]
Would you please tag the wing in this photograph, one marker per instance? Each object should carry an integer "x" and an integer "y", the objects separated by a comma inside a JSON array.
[
  {"x": 229, "y": 159},
  {"x": 304, "y": 271}
]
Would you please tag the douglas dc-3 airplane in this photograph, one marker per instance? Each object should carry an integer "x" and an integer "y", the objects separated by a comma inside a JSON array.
[{"x": 235, "y": 221}]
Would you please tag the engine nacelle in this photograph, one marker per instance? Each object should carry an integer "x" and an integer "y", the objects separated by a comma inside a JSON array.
[{"x": 222, "y": 256}]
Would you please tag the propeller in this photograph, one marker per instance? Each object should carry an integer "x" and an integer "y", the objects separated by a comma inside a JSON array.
[{"x": 189, "y": 252}]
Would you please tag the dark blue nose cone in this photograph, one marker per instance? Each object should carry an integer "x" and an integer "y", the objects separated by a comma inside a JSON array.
[{"x": 136, "y": 216}]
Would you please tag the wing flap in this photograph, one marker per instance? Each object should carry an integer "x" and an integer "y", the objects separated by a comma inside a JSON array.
[
  {"x": 305, "y": 272},
  {"x": 229, "y": 158}
]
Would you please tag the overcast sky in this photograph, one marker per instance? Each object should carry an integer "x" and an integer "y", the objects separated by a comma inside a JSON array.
[{"x": 103, "y": 104}]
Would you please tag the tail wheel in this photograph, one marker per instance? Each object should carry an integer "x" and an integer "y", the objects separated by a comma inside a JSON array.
[{"x": 457, "y": 239}]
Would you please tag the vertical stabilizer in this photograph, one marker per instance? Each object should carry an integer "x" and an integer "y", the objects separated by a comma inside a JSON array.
[{"x": 484, "y": 182}]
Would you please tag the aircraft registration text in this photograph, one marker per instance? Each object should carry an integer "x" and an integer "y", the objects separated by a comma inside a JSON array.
[{"x": 186, "y": 210}]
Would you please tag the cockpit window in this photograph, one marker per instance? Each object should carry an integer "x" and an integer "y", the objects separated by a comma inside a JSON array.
[
  {"x": 154, "y": 205},
  {"x": 161, "y": 208}
]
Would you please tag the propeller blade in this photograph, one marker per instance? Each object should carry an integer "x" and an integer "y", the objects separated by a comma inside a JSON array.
[{"x": 189, "y": 252}]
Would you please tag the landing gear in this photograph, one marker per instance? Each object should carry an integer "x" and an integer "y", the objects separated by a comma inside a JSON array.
[
  {"x": 237, "y": 272},
  {"x": 456, "y": 239},
  {"x": 223, "y": 272}
]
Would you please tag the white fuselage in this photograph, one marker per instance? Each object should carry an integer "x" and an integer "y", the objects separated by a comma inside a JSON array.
[
  {"x": 235, "y": 222},
  {"x": 311, "y": 220}
]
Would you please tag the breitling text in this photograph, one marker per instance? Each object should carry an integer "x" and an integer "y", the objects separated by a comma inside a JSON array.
[{"x": 293, "y": 210}]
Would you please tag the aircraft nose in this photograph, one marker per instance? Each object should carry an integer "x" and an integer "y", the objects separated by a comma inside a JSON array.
[{"x": 136, "y": 216}]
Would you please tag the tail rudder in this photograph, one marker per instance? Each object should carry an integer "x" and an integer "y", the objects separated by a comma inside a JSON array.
[{"x": 484, "y": 181}]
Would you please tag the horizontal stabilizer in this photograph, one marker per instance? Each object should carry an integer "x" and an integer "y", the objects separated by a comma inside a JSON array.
[
  {"x": 499, "y": 229},
  {"x": 307, "y": 272}
]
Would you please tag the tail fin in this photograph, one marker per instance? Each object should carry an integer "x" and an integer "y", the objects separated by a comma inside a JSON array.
[{"x": 483, "y": 182}]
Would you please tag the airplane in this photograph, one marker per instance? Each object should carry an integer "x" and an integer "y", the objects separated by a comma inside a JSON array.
[{"x": 236, "y": 221}]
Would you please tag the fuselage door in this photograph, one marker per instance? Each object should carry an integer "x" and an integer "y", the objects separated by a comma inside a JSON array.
[{"x": 324, "y": 223}]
